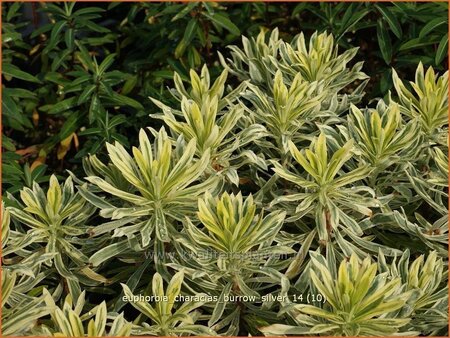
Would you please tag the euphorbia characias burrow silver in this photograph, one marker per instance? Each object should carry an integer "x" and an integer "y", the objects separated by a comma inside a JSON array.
[{"x": 270, "y": 202}]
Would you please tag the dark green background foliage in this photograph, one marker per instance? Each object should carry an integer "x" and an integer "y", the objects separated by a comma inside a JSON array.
[{"x": 77, "y": 75}]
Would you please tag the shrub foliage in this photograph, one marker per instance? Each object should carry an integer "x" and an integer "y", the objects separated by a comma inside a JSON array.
[{"x": 267, "y": 198}]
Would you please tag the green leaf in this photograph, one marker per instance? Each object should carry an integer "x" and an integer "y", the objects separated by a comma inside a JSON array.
[
  {"x": 142, "y": 307},
  {"x": 88, "y": 10},
  {"x": 100, "y": 319},
  {"x": 173, "y": 290},
  {"x": 19, "y": 93},
  {"x": 129, "y": 85},
  {"x": 432, "y": 25},
  {"x": 223, "y": 21},
  {"x": 69, "y": 38},
  {"x": 13, "y": 10},
  {"x": 84, "y": 57},
  {"x": 86, "y": 94},
  {"x": 11, "y": 70},
  {"x": 108, "y": 252},
  {"x": 384, "y": 41},
  {"x": 63, "y": 105},
  {"x": 220, "y": 305},
  {"x": 8, "y": 144},
  {"x": 391, "y": 19},
  {"x": 95, "y": 108},
  {"x": 93, "y": 26},
  {"x": 415, "y": 43},
  {"x": 41, "y": 30},
  {"x": 187, "y": 37},
  {"x": 187, "y": 8},
  {"x": 76, "y": 324},
  {"x": 54, "y": 35},
  {"x": 442, "y": 50},
  {"x": 132, "y": 282},
  {"x": 106, "y": 63},
  {"x": 181, "y": 47},
  {"x": 190, "y": 31},
  {"x": 125, "y": 101},
  {"x": 70, "y": 125}
]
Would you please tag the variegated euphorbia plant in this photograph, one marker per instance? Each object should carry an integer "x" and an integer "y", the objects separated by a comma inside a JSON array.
[
  {"x": 19, "y": 309},
  {"x": 359, "y": 301},
  {"x": 233, "y": 255},
  {"x": 167, "y": 317},
  {"x": 287, "y": 112},
  {"x": 68, "y": 320},
  {"x": 280, "y": 205},
  {"x": 427, "y": 103},
  {"x": 148, "y": 193},
  {"x": 326, "y": 191},
  {"x": 56, "y": 223},
  {"x": 215, "y": 120},
  {"x": 317, "y": 61}
]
